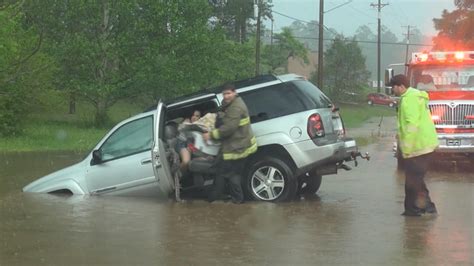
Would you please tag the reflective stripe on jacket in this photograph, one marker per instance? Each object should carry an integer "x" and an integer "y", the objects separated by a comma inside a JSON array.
[
  {"x": 235, "y": 132},
  {"x": 416, "y": 130}
]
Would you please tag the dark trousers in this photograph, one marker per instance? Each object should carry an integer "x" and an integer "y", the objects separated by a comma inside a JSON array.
[
  {"x": 228, "y": 171},
  {"x": 417, "y": 196}
]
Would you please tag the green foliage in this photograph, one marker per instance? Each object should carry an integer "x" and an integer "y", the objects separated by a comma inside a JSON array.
[
  {"x": 456, "y": 28},
  {"x": 234, "y": 16},
  {"x": 112, "y": 50},
  {"x": 87, "y": 40},
  {"x": 191, "y": 55},
  {"x": 344, "y": 69},
  {"x": 309, "y": 33},
  {"x": 285, "y": 46},
  {"x": 24, "y": 70},
  {"x": 391, "y": 50}
]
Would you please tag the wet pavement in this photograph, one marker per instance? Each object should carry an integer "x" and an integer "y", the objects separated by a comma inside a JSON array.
[{"x": 353, "y": 220}]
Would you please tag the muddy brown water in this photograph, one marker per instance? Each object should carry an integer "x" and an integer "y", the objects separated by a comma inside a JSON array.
[{"x": 353, "y": 220}]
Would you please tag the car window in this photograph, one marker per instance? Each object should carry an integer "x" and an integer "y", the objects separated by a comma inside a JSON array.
[
  {"x": 272, "y": 102},
  {"x": 317, "y": 98},
  {"x": 131, "y": 138}
]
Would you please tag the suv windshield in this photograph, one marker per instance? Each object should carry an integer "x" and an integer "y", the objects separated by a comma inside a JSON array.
[{"x": 315, "y": 98}]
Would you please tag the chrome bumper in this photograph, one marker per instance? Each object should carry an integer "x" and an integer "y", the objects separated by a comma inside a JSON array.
[{"x": 456, "y": 143}]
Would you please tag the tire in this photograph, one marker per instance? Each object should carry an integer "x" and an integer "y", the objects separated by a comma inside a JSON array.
[
  {"x": 270, "y": 179},
  {"x": 370, "y": 102},
  {"x": 309, "y": 184}
]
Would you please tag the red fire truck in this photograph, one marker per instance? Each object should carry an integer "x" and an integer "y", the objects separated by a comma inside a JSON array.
[{"x": 448, "y": 77}]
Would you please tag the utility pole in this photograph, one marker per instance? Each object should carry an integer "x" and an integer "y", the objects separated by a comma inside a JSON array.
[
  {"x": 379, "y": 7},
  {"x": 408, "y": 44},
  {"x": 271, "y": 45},
  {"x": 320, "y": 44},
  {"x": 257, "y": 41},
  {"x": 321, "y": 39}
]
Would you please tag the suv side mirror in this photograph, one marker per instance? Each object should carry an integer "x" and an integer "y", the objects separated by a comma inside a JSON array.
[
  {"x": 96, "y": 157},
  {"x": 333, "y": 107}
]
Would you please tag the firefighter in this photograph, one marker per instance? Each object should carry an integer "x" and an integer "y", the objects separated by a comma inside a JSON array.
[
  {"x": 418, "y": 140},
  {"x": 237, "y": 143}
]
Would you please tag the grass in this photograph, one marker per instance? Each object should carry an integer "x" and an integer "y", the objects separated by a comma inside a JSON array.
[
  {"x": 355, "y": 115},
  {"x": 53, "y": 136},
  {"x": 51, "y": 128}
]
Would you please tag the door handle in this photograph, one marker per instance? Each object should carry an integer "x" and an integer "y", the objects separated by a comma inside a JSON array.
[{"x": 146, "y": 161}]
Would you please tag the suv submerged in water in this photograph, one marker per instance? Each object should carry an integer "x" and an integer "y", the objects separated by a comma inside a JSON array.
[{"x": 300, "y": 137}]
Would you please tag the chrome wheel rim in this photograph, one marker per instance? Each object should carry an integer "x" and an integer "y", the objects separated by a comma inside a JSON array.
[{"x": 267, "y": 183}]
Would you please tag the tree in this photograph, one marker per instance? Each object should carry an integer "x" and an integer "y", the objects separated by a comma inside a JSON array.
[
  {"x": 190, "y": 55},
  {"x": 234, "y": 16},
  {"x": 456, "y": 28},
  {"x": 391, "y": 51},
  {"x": 345, "y": 70},
  {"x": 24, "y": 70},
  {"x": 365, "y": 33},
  {"x": 308, "y": 33},
  {"x": 87, "y": 38},
  {"x": 110, "y": 50},
  {"x": 286, "y": 46}
]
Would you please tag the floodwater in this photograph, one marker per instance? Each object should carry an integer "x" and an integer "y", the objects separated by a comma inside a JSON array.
[{"x": 353, "y": 220}]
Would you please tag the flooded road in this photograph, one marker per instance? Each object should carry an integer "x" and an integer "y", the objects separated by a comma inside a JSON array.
[{"x": 353, "y": 220}]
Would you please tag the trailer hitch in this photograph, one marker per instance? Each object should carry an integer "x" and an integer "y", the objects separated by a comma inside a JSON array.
[{"x": 355, "y": 154}]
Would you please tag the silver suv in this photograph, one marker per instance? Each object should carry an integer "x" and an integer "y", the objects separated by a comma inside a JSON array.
[{"x": 299, "y": 132}]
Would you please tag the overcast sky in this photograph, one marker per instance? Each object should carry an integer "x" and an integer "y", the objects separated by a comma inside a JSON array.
[{"x": 346, "y": 19}]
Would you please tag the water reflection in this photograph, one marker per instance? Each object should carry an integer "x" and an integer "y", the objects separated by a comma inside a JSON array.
[{"x": 354, "y": 220}]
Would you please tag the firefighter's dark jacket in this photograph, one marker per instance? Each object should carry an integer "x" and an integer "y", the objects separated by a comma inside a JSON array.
[{"x": 234, "y": 131}]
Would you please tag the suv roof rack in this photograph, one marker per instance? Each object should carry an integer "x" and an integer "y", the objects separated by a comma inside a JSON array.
[
  {"x": 238, "y": 84},
  {"x": 247, "y": 82}
]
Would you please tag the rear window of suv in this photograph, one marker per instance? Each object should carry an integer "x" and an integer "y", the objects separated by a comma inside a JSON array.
[
  {"x": 314, "y": 97},
  {"x": 273, "y": 101}
]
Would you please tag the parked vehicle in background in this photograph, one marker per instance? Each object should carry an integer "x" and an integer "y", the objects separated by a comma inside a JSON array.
[
  {"x": 448, "y": 77},
  {"x": 300, "y": 137},
  {"x": 381, "y": 99}
]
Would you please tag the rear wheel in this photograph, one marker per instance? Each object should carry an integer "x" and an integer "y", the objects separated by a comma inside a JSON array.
[
  {"x": 270, "y": 179},
  {"x": 309, "y": 184}
]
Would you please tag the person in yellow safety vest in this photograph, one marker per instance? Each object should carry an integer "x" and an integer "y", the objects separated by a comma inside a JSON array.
[
  {"x": 237, "y": 143},
  {"x": 417, "y": 141}
]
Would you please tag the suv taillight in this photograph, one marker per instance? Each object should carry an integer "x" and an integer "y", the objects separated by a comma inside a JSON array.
[{"x": 315, "y": 126}]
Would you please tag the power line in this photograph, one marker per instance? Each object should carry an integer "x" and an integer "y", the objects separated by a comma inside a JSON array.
[
  {"x": 338, "y": 6},
  {"x": 362, "y": 12},
  {"x": 304, "y": 21},
  {"x": 361, "y": 41}
]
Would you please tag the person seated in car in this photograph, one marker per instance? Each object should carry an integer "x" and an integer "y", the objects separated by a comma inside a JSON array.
[
  {"x": 182, "y": 142},
  {"x": 426, "y": 83},
  {"x": 194, "y": 117}
]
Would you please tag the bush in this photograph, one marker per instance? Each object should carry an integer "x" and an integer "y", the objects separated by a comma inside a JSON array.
[{"x": 12, "y": 113}]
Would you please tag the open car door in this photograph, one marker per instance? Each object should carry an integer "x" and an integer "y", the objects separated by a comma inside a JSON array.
[{"x": 160, "y": 151}]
